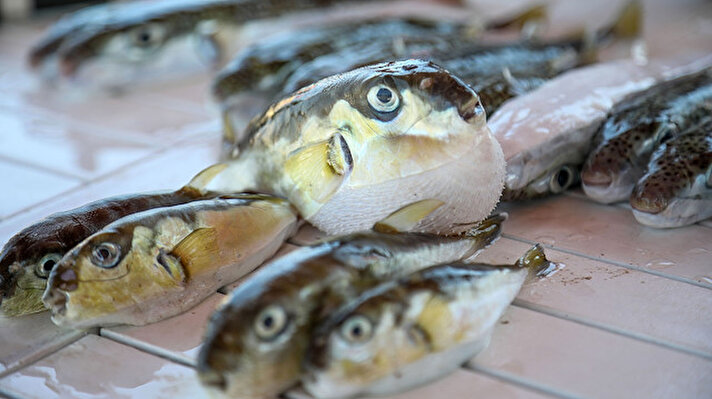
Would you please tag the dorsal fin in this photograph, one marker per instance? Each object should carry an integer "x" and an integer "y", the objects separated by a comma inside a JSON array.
[{"x": 205, "y": 176}]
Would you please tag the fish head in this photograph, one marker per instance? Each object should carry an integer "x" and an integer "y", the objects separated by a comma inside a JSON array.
[
  {"x": 139, "y": 42},
  {"x": 361, "y": 343},
  {"x": 616, "y": 164},
  {"x": 255, "y": 342},
  {"x": 108, "y": 273},
  {"x": 27, "y": 259},
  {"x": 677, "y": 188},
  {"x": 377, "y": 132}
]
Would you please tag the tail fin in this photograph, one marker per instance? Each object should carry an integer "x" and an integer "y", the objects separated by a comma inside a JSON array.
[
  {"x": 489, "y": 230},
  {"x": 535, "y": 260},
  {"x": 534, "y": 14}
]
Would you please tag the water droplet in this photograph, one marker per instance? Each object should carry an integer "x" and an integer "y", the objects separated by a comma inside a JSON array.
[
  {"x": 552, "y": 269},
  {"x": 659, "y": 264},
  {"x": 704, "y": 279}
]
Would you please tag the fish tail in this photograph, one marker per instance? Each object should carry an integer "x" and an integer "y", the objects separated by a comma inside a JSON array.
[
  {"x": 535, "y": 260},
  {"x": 532, "y": 15},
  {"x": 488, "y": 230}
]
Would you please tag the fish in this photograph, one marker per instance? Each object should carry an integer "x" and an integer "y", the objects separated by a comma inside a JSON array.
[
  {"x": 158, "y": 263},
  {"x": 265, "y": 65},
  {"x": 115, "y": 45},
  {"x": 412, "y": 330},
  {"x": 256, "y": 340},
  {"x": 28, "y": 257},
  {"x": 623, "y": 145},
  {"x": 354, "y": 147},
  {"x": 676, "y": 189},
  {"x": 496, "y": 71},
  {"x": 547, "y": 133}
]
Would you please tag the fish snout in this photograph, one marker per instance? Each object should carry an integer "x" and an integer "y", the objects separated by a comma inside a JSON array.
[
  {"x": 596, "y": 177},
  {"x": 55, "y": 300},
  {"x": 648, "y": 200}
]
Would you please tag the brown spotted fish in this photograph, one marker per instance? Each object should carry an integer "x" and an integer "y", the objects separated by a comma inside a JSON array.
[
  {"x": 636, "y": 126},
  {"x": 155, "y": 264},
  {"x": 410, "y": 331},
  {"x": 256, "y": 341},
  {"x": 676, "y": 190}
]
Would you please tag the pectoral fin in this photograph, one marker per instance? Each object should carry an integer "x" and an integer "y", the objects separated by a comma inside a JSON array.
[
  {"x": 405, "y": 218},
  {"x": 198, "y": 251},
  {"x": 172, "y": 267},
  {"x": 319, "y": 169}
]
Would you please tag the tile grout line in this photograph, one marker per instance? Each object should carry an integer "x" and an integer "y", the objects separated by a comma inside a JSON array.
[
  {"x": 86, "y": 183},
  {"x": 147, "y": 348},
  {"x": 611, "y": 329},
  {"x": 519, "y": 381},
  {"x": 612, "y": 262},
  {"x": 42, "y": 168},
  {"x": 30, "y": 360}
]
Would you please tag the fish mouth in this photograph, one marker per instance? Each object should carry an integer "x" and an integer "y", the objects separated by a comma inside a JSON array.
[
  {"x": 607, "y": 187},
  {"x": 677, "y": 213},
  {"x": 56, "y": 301},
  {"x": 470, "y": 110}
]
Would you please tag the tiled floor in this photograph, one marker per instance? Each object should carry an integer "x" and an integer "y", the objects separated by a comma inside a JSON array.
[{"x": 628, "y": 315}]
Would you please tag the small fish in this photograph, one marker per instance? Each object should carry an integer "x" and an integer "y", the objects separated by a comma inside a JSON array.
[
  {"x": 29, "y": 256},
  {"x": 352, "y": 148},
  {"x": 546, "y": 134},
  {"x": 410, "y": 331},
  {"x": 267, "y": 64},
  {"x": 256, "y": 341},
  {"x": 155, "y": 264},
  {"x": 119, "y": 44},
  {"x": 676, "y": 190},
  {"x": 636, "y": 126},
  {"x": 496, "y": 72}
]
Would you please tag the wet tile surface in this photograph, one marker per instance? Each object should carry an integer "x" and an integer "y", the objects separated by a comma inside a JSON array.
[
  {"x": 626, "y": 317},
  {"x": 88, "y": 369}
]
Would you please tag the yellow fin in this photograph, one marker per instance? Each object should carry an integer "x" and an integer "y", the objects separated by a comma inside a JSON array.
[
  {"x": 197, "y": 251},
  {"x": 407, "y": 217},
  {"x": 313, "y": 169},
  {"x": 205, "y": 176}
]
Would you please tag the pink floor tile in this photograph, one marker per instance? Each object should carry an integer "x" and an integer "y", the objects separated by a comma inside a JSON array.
[
  {"x": 637, "y": 302},
  {"x": 571, "y": 358},
  {"x": 166, "y": 170},
  {"x": 612, "y": 233},
  {"x": 37, "y": 139},
  {"x": 181, "y": 334},
  {"x": 25, "y": 186},
  {"x": 28, "y": 338},
  {"x": 90, "y": 368}
]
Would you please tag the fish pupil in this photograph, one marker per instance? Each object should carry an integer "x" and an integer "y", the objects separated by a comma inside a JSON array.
[
  {"x": 268, "y": 322},
  {"x": 48, "y": 265},
  {"x": 356, "y": 331},
  {"x": 144, "y": 37},
  {"x": 563, "y": 178},
  {"x": 104, "y": 253},
  {"x": 384, "y": 95}
]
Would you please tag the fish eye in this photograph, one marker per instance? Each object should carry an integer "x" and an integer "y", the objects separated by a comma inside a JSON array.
[
  {"x": 45, "y": 265},
  {"x": 270, "y": 322},
  {"x": 357, "y": 329},
  {"x": 562, "y": 179},
  {"x": 148, "y": 35},
  {"x": 663, "y": 135},
  {"x": 105, "y": 255},
  {"x": 383, "y": 99}
]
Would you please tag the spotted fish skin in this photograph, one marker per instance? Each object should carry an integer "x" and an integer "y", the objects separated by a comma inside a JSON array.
[
  {"x": 676, "y": 190},
  {"x": 623, "y": 145}
]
